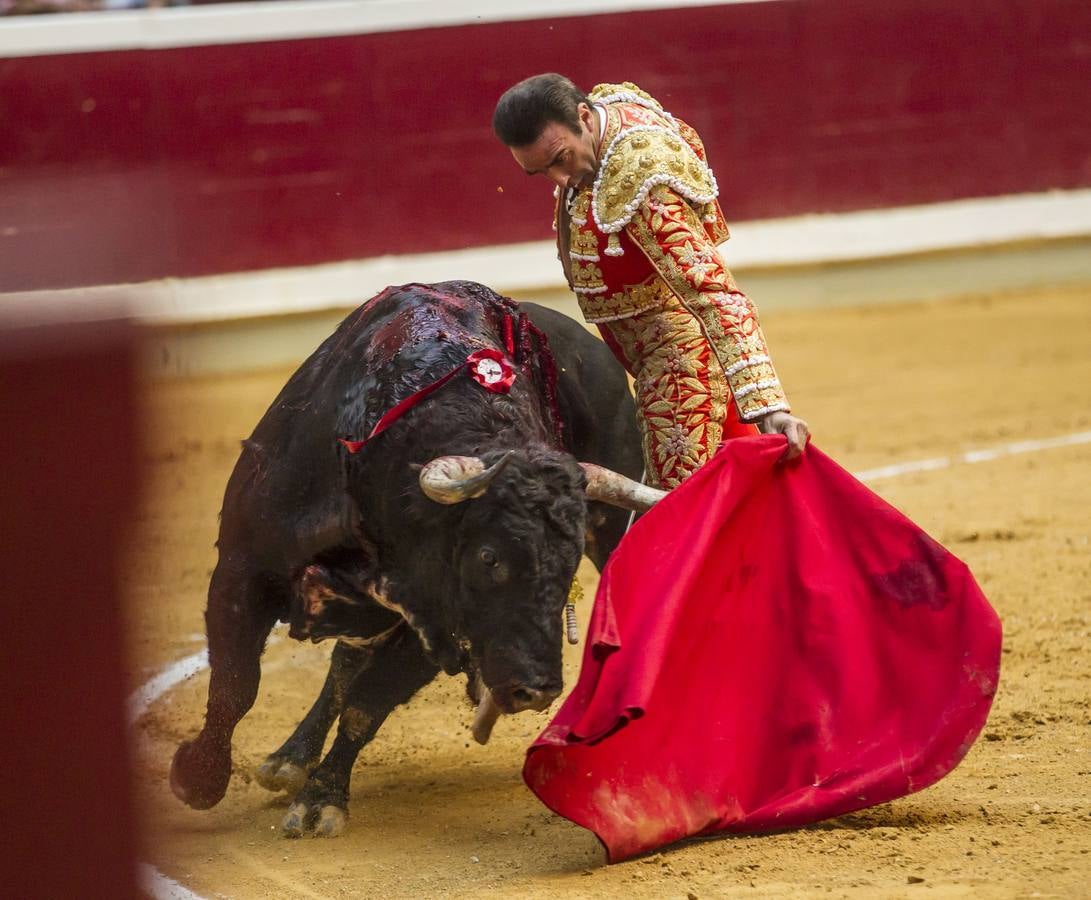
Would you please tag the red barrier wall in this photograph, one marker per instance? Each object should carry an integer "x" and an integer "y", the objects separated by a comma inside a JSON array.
[{"x": 134, "y": 165}]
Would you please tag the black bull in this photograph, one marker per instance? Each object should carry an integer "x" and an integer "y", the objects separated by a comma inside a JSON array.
[{"x": 449, "y": 542}]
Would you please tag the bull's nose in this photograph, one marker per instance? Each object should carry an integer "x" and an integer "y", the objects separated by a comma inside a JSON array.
[{"x": 524, "y": 697}]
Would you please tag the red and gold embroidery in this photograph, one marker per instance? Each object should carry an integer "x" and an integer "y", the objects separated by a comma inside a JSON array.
[
  {"x": 669, "y": 232},
  {"x": 584, "y": 245},
  {"x": 680, "y": 389},
  {"x": 587, "y": 278},
  {"x": 620, "y": 304}
]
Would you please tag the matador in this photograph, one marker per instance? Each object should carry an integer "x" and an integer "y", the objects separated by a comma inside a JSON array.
[{"x": 638, "y": 223}]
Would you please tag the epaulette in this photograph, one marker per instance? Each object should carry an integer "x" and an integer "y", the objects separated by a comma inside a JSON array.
[
  {"x": 627, "y": 92},
  {"x": 640, "y": 157}
]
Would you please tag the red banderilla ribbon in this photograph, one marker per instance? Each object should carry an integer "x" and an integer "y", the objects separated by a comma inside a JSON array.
[{"x": 487, "y": 367}]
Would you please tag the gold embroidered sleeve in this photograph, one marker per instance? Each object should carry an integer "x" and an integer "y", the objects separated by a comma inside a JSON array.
[{"x": 671, "y": 235}]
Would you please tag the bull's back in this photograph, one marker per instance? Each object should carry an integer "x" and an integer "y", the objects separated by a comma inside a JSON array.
[{"x": 286, "y": 495}]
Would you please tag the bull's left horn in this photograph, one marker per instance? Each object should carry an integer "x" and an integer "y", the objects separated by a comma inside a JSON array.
[
  {"x": 452, "y": 479},
  {"x": 617, "y": 490},
  {"x": 485, "y": 717}
]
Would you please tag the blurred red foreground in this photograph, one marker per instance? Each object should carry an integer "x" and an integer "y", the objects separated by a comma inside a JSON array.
[{"x": 68, "y": 460}]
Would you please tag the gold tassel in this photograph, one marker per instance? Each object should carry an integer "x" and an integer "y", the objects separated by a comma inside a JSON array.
[
  {"x": 575, "y": 595},
  {"x": 613, "y": 245}
]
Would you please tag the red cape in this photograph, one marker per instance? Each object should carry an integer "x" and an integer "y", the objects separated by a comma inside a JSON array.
[{"x": 771, "y": 645}]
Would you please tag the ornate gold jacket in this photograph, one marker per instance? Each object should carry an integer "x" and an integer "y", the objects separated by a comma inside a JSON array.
[{"x": 648, "y": 229}]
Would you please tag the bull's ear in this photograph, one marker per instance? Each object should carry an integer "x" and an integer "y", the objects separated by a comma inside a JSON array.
[
  {"x": 452, "y": 479},
  {"x": 617, "y": 490}
]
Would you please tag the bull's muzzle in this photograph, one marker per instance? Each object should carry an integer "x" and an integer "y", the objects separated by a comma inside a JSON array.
[
  {"x": 529, "y": 698},
  {"x": 516, "y": 699}
]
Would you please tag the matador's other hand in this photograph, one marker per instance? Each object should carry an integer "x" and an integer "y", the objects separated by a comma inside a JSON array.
[{"x": 793, "y": 428}]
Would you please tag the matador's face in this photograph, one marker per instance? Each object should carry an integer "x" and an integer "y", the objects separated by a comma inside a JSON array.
[{"x": 567, "y": 158}]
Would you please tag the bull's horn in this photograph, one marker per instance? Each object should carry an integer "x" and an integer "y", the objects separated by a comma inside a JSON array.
[
  {"x": 452, "y": 479},
  {"x": 485, "y": 717},
  {"x": 617, "y": 490}
]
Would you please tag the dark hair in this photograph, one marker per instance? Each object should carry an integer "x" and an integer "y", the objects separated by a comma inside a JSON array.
[{"x": 525, "y": 109}]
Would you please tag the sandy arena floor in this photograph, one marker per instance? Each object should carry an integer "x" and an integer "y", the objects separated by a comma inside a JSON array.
[{"x": 435, "y": 815}]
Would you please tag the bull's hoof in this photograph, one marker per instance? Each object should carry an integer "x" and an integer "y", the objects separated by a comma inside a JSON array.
[
  {"x": 199, "y": 778},
  {"x": 294, "y": 824},
  {"x": 332, "y": 821},
  {"x": 319, "y": 820},
  {"x": 276, "y": 774}
]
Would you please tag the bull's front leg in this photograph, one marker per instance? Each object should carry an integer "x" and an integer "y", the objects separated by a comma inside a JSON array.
[
  {"x": 238, "y": 620},
  {"x": 288, "y": 768},
  {"x": 398, "y": 670}
]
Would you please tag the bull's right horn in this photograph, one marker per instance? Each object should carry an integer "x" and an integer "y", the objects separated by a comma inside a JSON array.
[
  {"x": 617, "y": 490},
  {"x": 452, "y": 479}
]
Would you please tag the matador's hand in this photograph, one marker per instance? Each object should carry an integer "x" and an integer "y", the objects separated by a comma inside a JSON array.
[{"x": 790, "y": 426}]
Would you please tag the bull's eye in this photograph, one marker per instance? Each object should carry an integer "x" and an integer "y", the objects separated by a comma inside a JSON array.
[{"x": 488, "y": 556}]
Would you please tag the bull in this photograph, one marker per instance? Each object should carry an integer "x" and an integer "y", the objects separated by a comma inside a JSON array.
[{"x": 447, "y": 542}]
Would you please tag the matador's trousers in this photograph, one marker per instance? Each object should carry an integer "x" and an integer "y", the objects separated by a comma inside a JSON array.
[{"x": 684, "y": 404}]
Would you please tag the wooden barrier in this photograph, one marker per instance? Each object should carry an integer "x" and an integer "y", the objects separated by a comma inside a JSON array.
[{"x": 133, "y": 164}]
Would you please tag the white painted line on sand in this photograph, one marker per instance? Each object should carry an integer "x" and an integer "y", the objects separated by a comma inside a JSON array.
[
  {"x": 920, "y": 465},
  {"x": 150, "y": 879},
  {"x": 163, "y": 888},
  {"x": 144, "y": 696},
  {"x": 974, "y": 456},
  {"x": 157, "y": 885}
]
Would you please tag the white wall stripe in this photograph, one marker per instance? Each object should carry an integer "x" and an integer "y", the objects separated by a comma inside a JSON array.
[
  {"x": 163, "y": 888},
  {"x": 923, "y": 228},
  {"x": 240, "y": 23},
  {"x": 762, "y": 244}
]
